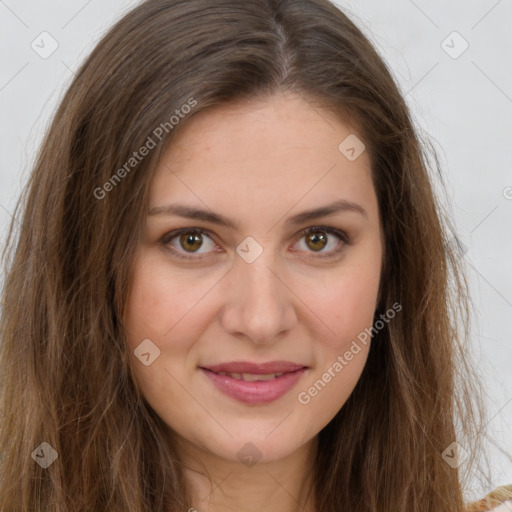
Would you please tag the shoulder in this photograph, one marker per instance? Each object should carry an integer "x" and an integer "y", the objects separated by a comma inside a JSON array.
[{"x": 499, "y": 500}]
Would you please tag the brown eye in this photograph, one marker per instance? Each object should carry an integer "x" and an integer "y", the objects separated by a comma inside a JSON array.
[
  {"x": 191, "y": 242},
  {"x": 316, "y": 240},
  {"x": 188, "y": 241}
]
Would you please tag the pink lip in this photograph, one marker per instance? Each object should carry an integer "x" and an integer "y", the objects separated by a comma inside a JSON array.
[
  {"x": 255, "y": 392},
  {"x": 255, "y": 368}
]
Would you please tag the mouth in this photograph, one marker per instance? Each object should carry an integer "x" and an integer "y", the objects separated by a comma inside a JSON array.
[
  {"x": 247, "y": 367},
  {"x": 255, "y": 383}
]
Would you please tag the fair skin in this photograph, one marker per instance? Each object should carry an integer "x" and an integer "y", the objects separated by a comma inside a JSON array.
[{"x": 258, "y": 164}]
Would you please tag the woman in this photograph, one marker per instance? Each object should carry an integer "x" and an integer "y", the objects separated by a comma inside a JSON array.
[{"x": 232, "y": 288}]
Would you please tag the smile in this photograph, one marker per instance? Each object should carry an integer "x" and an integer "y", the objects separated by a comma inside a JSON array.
[{"x": 254, "y": 388}]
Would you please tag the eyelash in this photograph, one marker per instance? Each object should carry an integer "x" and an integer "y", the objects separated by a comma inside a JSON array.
[{"x": 166, "y": 239}]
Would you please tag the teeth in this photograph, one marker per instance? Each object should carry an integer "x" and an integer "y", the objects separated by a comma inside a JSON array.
[{"x": 251, "y": 376}]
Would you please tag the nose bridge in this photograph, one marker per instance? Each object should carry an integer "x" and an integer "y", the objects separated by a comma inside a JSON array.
[
  {"x": 261, "y": 283},
  {"x": 259, "y": 304}
]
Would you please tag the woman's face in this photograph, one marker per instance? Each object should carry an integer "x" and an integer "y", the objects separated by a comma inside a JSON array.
[{"x": 260, "y": 295}]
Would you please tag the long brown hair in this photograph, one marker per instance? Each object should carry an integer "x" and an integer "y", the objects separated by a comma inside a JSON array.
[{"x": 65, "y": 375}]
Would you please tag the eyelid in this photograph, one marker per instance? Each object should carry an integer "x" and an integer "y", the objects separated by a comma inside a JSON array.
[{"x": 342, "y": 235}]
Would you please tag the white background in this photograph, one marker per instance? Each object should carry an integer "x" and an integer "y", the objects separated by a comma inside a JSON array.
[{"x": 464, "y": 104}]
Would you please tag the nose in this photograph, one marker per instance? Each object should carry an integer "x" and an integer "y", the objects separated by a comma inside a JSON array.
[{"x": 258, "y": 303}]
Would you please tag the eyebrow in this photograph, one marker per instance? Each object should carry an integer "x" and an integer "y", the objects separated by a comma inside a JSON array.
[{"x": 189, "y": 212}]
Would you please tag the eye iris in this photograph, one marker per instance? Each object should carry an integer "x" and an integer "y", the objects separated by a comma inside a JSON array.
[
  {"x": 192, "y": 239},
  {"x": 315, "y": 237}
]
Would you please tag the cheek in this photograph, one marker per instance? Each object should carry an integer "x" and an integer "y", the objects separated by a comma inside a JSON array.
[
  {"x": 162, "y": 300},
  {"x": 348, "y": 311},
  {"x": 157, "y": 309},
  {"x": 345, "y": 301}
]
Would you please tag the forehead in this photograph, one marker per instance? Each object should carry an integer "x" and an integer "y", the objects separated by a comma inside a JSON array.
[
  {"x": 262, "y": 155},
  {"x": 284, "y": 124}
]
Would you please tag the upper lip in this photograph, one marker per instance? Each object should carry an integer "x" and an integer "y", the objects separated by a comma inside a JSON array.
[{"x": 255, "y": 368}]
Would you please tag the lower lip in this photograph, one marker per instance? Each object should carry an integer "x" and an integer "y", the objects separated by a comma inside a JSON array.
[{"x": 255, "y": 392}]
